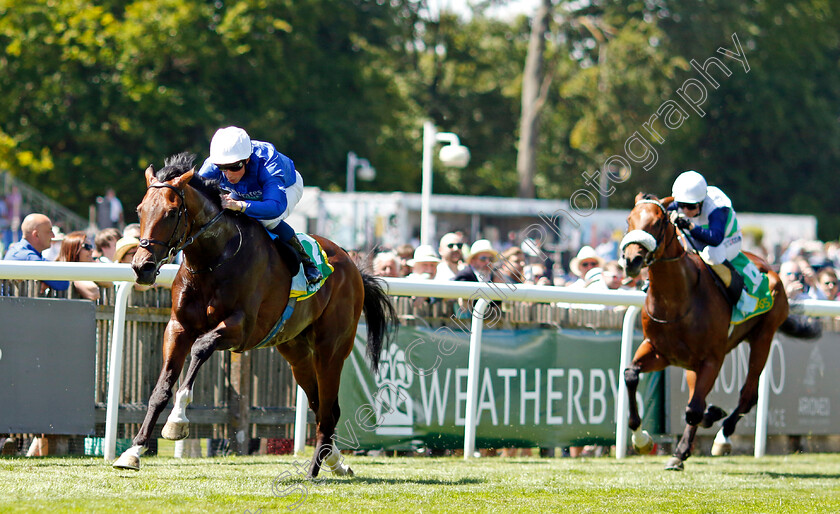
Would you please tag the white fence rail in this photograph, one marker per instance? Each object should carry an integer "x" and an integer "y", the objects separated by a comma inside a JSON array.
[{"x": 481, "y": 292}]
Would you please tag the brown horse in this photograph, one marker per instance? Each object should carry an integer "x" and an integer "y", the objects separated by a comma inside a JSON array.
[
  {"x": 685, "y": 320},
  {"x": 231, "y": 290}
]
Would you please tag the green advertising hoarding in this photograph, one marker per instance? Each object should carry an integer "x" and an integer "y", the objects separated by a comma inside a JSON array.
[
  {"x": 802, "y": 384},
  {"x": 537, "y": 387}
]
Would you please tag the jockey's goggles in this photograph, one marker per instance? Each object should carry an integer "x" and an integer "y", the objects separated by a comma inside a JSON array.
[
  {"x": 236, "y": 166},
  {"x": 688, "y": 206}
]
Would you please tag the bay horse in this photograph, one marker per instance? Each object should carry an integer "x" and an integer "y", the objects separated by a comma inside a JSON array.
[
  {"x": 230, "y": 292},
  {"x": 686, "y": 320}
]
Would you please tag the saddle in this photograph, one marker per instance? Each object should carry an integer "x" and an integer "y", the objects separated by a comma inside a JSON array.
[
  {"x": 288, "y": 255},
  {"x": 731, "y": 282}
]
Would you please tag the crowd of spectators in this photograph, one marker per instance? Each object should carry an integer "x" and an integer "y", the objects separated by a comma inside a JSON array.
[
  {"x": 808, "y": 269},
  {"x": 514, "y": 262}
]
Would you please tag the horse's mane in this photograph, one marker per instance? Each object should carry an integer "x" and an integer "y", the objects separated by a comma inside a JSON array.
[{"x": 178, "y": 164}]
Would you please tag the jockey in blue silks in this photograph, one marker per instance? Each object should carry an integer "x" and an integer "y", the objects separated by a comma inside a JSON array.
[
  {"x": 706, "y": 213},
  {"x": 262, "y": 183}
]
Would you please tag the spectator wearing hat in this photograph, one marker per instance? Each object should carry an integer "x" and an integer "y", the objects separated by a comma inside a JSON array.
[
  {"x": 424, "y": 267},
  {"x": 585, "y": 260},
  {"x": 451, "y": 254},
  {"x": 479, "y": 264},
  {"x": 424, "y": 263},
  {"x": 126, "y": 247}
]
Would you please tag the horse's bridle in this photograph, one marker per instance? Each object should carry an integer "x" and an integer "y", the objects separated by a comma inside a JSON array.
[
  {"x": 183, "y": 240},
  {"x": 650, "y": 258}
]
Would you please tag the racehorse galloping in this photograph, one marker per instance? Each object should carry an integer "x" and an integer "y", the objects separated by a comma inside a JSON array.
[
  {"x": 229, "y": 293},
  {"x": 686, "y": 320}
]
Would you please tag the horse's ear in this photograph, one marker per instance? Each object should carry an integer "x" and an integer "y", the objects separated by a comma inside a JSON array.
[
  {"x": 668, "y": 200},
  {"x": 150, "y": 175},
  {"x": 182, "y": 181},
  {"x": 639, "y": 198}
]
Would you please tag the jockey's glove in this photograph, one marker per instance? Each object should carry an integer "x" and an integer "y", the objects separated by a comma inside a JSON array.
[{"x": 683, "y": 223}]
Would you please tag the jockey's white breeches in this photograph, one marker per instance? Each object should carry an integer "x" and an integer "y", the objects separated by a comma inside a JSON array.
[
  {"x": 727, "y": 250},
  {"x": 293, "y": 195}
]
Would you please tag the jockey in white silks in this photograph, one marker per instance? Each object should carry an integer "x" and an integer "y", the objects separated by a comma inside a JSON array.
[{"x": 706, "y": 214}]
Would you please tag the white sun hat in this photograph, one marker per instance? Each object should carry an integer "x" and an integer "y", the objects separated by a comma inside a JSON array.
[{"x": 423, "y": 253}]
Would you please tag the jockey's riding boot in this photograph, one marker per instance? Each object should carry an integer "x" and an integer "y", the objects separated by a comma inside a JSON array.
[
  {"x": 310, "y": 270},
  {"x": 732, "y": 281}
]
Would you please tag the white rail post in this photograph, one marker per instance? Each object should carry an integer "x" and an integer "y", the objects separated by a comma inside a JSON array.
[
  {"x": 622, "y": 409},
  {"x": 301, "y": 410},
  {"x": 761, "y": 413},
  {"x": 115, "y": 370},
  {"x": 472, "y": 378}
]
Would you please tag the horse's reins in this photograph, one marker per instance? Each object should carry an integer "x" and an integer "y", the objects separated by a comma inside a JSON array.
[
  {"x": 653, "y": 258},
  {"x": 669, "y": 259},
  {"x": 185, "y": 240}
]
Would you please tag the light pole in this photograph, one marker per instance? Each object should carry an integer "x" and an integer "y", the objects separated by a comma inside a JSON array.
[
  {"x": 366, "y": 172},
  {"x": 453, "y": 154}
]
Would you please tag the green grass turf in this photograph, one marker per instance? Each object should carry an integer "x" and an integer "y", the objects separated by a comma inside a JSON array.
[{"x": 796, "y": 483}]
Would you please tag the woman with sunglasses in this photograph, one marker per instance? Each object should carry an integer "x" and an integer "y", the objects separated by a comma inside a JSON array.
[
  {"x": 262, "y": 183},
  {"x": 76, "y": 248},
  {"x": 705, "y": 213}
]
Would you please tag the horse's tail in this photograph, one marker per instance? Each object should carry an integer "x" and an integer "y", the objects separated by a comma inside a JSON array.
[
  {"x": 381, "y": 319},
  {"x": 801, "y": 327}
]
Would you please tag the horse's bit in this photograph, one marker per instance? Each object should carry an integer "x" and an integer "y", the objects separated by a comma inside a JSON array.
[
  {"x": 647, "y": 240},
  {"x": 173, "y": 249}
]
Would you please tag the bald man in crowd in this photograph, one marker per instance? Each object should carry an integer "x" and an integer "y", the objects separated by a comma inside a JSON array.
[{"x": 37, "y": 236}]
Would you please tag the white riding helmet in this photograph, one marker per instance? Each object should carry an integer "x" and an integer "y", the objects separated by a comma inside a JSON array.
[
  {"x": 229, "y": 144},
  {"x": 690, "y": 187}
]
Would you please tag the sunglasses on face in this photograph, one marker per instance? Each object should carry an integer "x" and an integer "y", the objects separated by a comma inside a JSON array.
[
  {"x": 235, "y": 166},
  {"x": 588, "y": 264},
  {"x": 688, "y": 206},
  {"x": 455, "y": 246},
  {"x": 830, "y": 283},
  {"x": 87, "y": 246}
]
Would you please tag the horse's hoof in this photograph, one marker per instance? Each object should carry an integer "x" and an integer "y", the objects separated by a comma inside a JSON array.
[
  {"x": 713, "y": 415},
  {"x": 125, "y": 461},
  {"x": 175, "y": 431},
  {"x": 644, "y": 444},
  {"x": 721, "y": 449},
  {"x": 343, "y": 471},
  {"x": 674, "y": 464}
]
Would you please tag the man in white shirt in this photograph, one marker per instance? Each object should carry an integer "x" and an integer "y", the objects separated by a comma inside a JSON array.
[{"x": 452, "y": 256}]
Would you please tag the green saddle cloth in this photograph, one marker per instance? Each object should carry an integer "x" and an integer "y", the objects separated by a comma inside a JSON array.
[{"x": 755, "y": 297}]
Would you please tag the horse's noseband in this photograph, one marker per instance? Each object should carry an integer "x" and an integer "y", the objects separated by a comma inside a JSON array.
[{"x": 644, "y": 238}]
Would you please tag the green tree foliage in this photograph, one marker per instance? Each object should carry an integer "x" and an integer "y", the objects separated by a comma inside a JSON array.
[{"x": 92, "y": 92}]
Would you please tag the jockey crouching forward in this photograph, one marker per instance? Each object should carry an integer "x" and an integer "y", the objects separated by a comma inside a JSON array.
[
  {"x": 263, "y": 183},
  {"x": 706, "y": 213}
]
